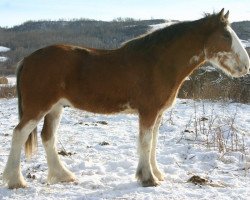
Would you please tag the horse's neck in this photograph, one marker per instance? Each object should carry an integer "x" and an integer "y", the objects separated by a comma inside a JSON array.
[
  {"x": 174, "y": 58},
  {"x": 183, "y": 57},
  {"x": 179, "y": 55}
]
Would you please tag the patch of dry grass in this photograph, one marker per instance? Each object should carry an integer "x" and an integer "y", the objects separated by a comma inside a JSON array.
[
  {"x": 7, "y": 91},
  {"x": 216, "y": 131}
]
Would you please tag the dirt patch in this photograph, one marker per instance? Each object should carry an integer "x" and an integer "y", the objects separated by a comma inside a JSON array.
[
  {"x": 64, "y": 153},
  {"x": 104, "y": 143},
  {"x": 198, "y": 180}
]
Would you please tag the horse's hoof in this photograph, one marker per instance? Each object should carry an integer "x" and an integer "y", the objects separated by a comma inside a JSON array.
[
  {"x": 65, "y": 176},
  {"x": 159, "y": 175},
  {"x": 13, "y": 180},
  {"x": 150, "y": 183},
  {"x": 17, "y": 185},
  {"x": 147, "y": 180},
  {"x": 71, "y": 178}
]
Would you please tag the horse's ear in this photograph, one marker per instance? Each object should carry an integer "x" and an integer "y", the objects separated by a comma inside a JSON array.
[
  {"x": 226, "y": 15},
  {"x": 221, "y": 13}
]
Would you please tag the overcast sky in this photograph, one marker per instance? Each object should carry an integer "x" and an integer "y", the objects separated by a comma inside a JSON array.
[{"x": 14, "y": 12}]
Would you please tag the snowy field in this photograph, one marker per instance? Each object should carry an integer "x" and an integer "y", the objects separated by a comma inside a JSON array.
[{"x": 108, "y": 171}]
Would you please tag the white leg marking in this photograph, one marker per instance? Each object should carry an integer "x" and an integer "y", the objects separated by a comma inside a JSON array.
[
  {"x": 144, "y": 170},
  {"x": 12, "y": 174},
  {"x": 144, "y": 153},
  {"x": 235, "y": 63},
  {"x": 154, "y": 164},
  {"x": 57, "y": 172}
]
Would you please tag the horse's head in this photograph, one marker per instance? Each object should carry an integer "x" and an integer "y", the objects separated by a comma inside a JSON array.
[{"x": 224, "y": 49}]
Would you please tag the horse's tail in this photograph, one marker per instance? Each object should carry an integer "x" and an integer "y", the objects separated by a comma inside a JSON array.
[{"x": 31, "y": 143}]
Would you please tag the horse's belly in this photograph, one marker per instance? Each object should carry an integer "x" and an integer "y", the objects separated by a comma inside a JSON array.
[{"x": 102, "y": 106}]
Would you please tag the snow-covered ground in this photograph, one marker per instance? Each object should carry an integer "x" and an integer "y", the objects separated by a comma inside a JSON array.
[
  {"x": 11, "y": 80},
  {"x": 3, "y": 49},
  {"x": 108, "y": 171}
]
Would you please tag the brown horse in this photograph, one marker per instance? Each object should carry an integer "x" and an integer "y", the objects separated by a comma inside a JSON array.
[{"x": 143, "y": 77}]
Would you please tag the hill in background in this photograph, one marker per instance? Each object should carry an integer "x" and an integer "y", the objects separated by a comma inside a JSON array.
[{"x": 30, "y": 36}]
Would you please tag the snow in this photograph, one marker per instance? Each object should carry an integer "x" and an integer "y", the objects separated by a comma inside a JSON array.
[
  {"x": 161, "y": 25},
  {"x": 246, "y": 43},
  {"x": 3, "y": 59},
  {"x": 108, "y": 171},
  {"x": 11, "y": 80},
  {"x": 4, "y": 49}
]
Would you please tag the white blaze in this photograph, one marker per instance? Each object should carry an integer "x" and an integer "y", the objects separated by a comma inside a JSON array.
[{"x": 236, "y": 61}]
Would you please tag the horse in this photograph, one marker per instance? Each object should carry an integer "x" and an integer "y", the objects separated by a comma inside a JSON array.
[{"x": 141, "y": 77}]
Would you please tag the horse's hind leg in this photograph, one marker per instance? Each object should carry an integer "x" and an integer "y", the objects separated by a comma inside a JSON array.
[
  {"x": 57, "y": 172},
  {"x": 12, "y": 174}
]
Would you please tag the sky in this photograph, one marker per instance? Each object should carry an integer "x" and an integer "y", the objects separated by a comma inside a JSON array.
[{"x": 15, "y": 12}]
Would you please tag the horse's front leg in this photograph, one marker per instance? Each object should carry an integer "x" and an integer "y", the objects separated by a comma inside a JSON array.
[
  {"x": 144, "y": 170},
  {"x": 154, "y": 165}
]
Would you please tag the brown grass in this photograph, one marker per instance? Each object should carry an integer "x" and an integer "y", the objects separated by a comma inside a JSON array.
[
  {"x": 214, "y": 85},
  {"x": 3, "y": 80},
  {"x": 217, "y": 132},
  {"x": 8, "y": 91}
]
